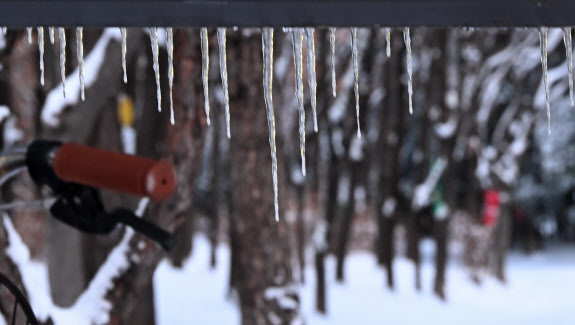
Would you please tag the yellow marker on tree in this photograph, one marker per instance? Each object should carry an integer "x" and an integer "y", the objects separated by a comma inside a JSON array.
[
  {"x": 125, "y": 110},
  {"x": 126, "y": 119}
]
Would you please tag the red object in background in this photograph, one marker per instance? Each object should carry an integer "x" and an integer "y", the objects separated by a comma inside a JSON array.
[{"x": 491, "y": 204}]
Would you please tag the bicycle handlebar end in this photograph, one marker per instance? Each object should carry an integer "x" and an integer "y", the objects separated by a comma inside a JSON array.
[
  {"x": 161, "y": 181},
  {"x": 115, "y": 171}
]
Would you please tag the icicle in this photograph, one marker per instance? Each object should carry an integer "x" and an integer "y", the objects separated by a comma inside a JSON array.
[
  {"x": 224, "y": 75},
  {"x": 4, "y": 30},
  {"x": 41, "y": 49},
  {"x": 407, "y": 40},
  {"x": 268, "y": 58},
  {"x": 80, "y": 52},
  {"x": 155, "y": 50},
  {"x": 62, "y": 36},
  {"x": 354, "y": 53},
  {"x": 170, "y": 46},
  {"x": 205, "y": 69},
  {"x": 29, "y": 34},
  {"x": 311, "y": 73},
  {"x": 332, "y": 46},
  {"x": 124, "y": 32},
  {"x": 388, "y": 39},
  {"x": 51, "y": 32},
  {"x": 543, "y": 43},
  {"x": 297, "y": 42},
  {"x": 569, "y": 54}
]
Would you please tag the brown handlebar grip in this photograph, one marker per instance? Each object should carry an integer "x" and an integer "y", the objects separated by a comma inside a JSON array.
[{"x": 115, "y": 171}]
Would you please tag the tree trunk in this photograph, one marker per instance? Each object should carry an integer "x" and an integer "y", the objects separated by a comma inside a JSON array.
[
  {"x": 441, "y": 239},
  {"x": 300, "y": 237},
  {"x": 186, "y": 138},
  {"x": 391, "y": 139},
  {"x": 320, "y": 297},
  {"x": 501, "y": 236},
  {"x": 346, "y": 223},
  {"x": 264, "y": 269},
  {"x": 180, "y": 145}
]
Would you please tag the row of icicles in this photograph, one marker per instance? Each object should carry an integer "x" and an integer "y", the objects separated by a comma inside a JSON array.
[{"x": 298, "y": 35}]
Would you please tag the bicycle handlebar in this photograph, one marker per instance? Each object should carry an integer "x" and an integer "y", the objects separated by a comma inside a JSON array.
[{"x": 114, "y": 171}]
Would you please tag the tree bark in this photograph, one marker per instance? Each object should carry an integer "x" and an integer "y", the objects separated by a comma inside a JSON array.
[
  {"x": 185, "y": 140},
  {"x": 391, "y": 137},
  {"x": 264, "y": 269}
]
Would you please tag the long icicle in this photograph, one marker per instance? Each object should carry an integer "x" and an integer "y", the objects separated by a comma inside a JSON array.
[
  {"x": 62, "y": 36},
  {"x": 569, "y": 54},
  {"x": 354, "y": 53},
  {"x": 80, "y": 49},
  {"x": 29, "y": 34},
  {"x": 155, "y": 50},
  {"x": 268, "y": 58},
  {"x": 297, "y": 42},
  {"x": 41, "y": 49},
  {"x": 388, "y": 41},
  {"x": 124, "y": 32},
  {"x": 51, "y": 32},
  {"x": 332, "y": 48},
  {"x": 543, "y": 44},
  {"x": 205, "y": 69},
  {"x": 224, "y": 76},
  {"x": 311, "y": 73},
  {"x": 170, "y": 46},
  {"x": 407, "y": 40}
]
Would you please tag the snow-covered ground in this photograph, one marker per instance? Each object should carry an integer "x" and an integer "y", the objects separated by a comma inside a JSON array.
[{"x": 541, "y": 290}]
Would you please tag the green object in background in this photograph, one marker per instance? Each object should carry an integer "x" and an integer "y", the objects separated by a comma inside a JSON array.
[{"x": 439, "y": 208}]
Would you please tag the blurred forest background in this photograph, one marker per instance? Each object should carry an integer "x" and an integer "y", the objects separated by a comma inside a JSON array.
[{"x": 473, "y": 168}]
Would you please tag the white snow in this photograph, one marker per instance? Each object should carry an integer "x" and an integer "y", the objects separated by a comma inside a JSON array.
[
  {"x": 319, "y": 235},
  {"x": 56, "y": 102},
  {"x": 2, "y": 41},
  {"x": 388, "y": 207},
  {"x": 91, "y": 307},
  {"x": 423, "y": 192},
  {"x": 4, "y": 112},
  {"x": 12, "y": 133},
  {"x": 195, "y": 292},
  {"x": 446, "y": 129},
  {"x": 540, "y": 291},
  {"x": 282, "y": 296},
  {"x": 129, "y": 136},
  {"x": 356, "y": 149}
]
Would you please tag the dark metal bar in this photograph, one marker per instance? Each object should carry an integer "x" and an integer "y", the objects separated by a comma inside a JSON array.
[
  {"x": 19, "y": 299},
  {"x": 14, "y": 311},
  {"x": 278, "y": 13}
]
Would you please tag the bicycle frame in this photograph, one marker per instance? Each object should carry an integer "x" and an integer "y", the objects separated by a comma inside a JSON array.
[{"x": 11, "y": 163}]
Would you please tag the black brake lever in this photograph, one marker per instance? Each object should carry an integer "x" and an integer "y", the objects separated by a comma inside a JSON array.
[{"x": 80, "y": 206}]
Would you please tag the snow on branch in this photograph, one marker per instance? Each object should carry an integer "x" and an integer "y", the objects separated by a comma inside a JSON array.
[
  {"x": 445, "y": 130},
  {"x": 91, "y": 307},
  {"x": 4, "y": 113},
  {"x": 284, "y": 296},
  {"x": 506, "y": 167},
  {"x": 423, "y": 192},
  {"x": 55, "y": 101}
]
